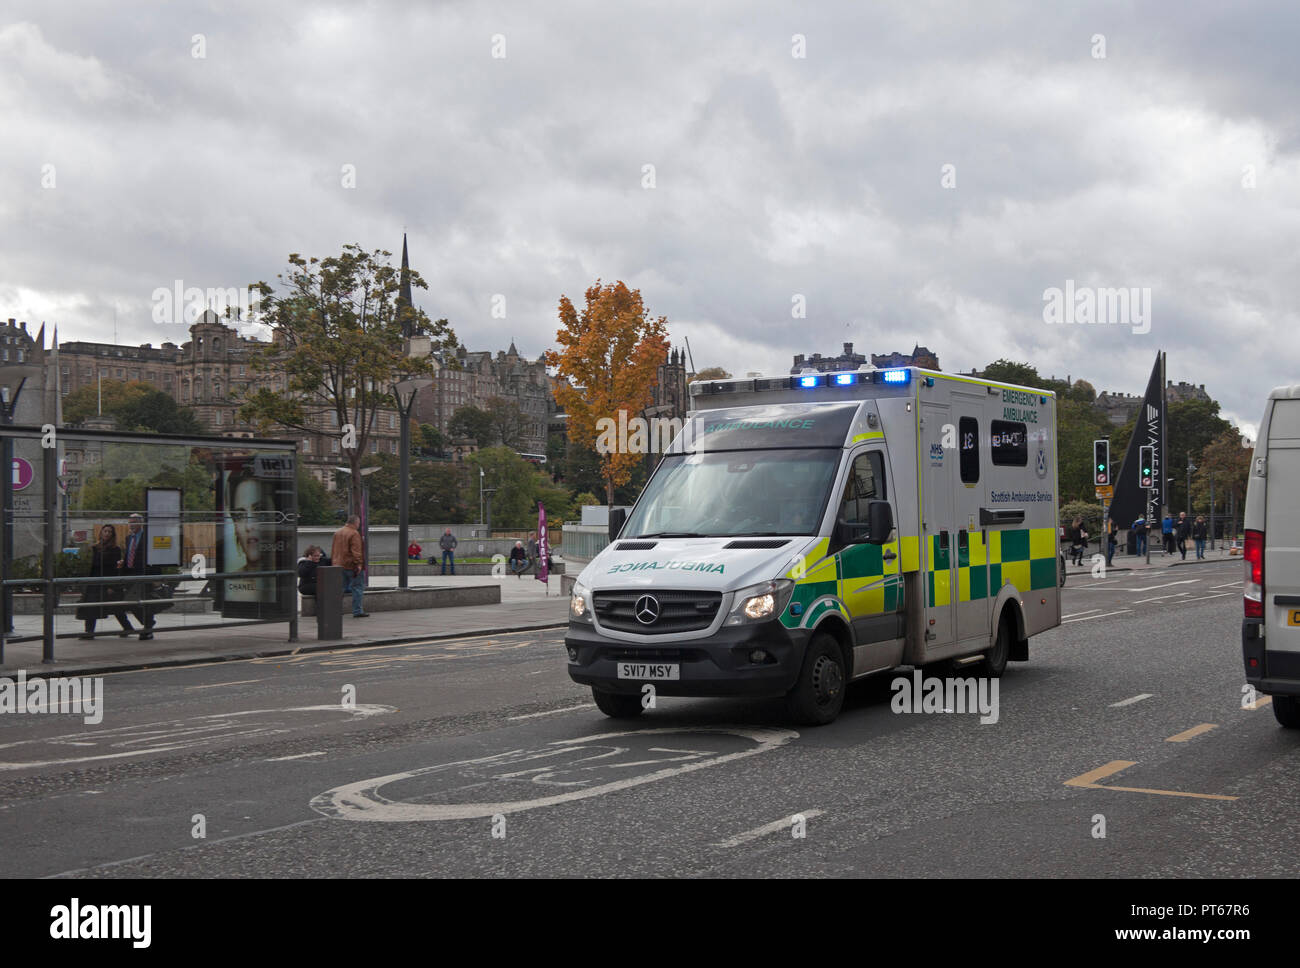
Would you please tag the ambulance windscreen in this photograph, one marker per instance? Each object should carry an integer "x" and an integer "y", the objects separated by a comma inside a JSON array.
[
  {"x": 779, "y": 425},
  {"x": 732, "y": 493}
]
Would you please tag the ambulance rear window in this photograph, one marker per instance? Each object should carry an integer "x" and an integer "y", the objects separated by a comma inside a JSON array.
[{"x": 1009, "y": 442}]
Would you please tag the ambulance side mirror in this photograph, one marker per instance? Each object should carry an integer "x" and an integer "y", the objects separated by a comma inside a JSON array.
[
  {"x": 880, "y": 519},
  {"x": 616, "y": 518}
]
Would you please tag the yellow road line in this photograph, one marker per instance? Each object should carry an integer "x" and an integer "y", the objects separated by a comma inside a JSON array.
[
  {"x": 1187, "y": 734},
  {"x": 1089, "y": 781},
  {"x": 1259, "y": 703}
]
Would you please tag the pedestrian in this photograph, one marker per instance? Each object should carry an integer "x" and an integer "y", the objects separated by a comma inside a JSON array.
[
  {"x": 311, "y": 559},
  {"x": 1112, "y": 537},
  {"x": 348, "y": 553},
  {"x": 1078, "y": 539},
  {"x": 532, "y": 549},
  {"x": 518, "y": 559},
  {"x": 135, "y": 561},
  {"x": 1198, "y": 535},
  {"x": 99, "y": 601},
  {"x": 1183, "y": 531},
  {"x": 1167, "y": 533},
  {"x": 1140, "y": 536},
  {"x": 448, "y": 545},
  {"x": 413, "y": 550}
]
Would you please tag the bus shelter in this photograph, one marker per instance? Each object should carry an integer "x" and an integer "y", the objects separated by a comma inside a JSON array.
[{"x": 209, "y": 525}]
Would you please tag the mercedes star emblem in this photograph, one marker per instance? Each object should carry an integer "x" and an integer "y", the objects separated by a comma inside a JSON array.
[{"x": 647, "y": 609}]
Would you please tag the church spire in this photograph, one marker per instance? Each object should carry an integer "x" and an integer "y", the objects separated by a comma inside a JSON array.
[{"x": 405, "y": 308}]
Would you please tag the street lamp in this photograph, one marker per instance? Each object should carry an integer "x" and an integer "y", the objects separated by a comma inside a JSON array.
[{"x": 404, "y": 392}]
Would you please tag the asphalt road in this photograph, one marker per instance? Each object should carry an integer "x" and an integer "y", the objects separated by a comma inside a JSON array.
[{"x": 478, "y": 757}]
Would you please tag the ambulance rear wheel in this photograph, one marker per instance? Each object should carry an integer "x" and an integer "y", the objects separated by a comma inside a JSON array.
[
  {"x": 1286, "y": 709},
  {"x": 618, "y": 705},
  {"x": 995, "y": 659},
  {"x": 818, "y": 695}
]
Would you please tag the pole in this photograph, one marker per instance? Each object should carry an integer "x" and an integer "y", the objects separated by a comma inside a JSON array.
[
  {"x": 1189, "y": 483},
  {"x": 49, "y": 485},
  {"x": 403, "y": 492},
  {"x": 1211, "y": 510}
]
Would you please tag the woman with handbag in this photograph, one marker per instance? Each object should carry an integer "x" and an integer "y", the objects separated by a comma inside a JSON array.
[{"x": 99, "y": 601}]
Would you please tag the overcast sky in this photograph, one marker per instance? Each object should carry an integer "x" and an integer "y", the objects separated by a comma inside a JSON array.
[{"x": 797, "y": 156}]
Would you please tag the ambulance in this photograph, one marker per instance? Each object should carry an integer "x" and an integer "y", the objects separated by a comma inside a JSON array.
[
  {"x": 804, "y": 531},
  {"x": 1270, "y": 631}
]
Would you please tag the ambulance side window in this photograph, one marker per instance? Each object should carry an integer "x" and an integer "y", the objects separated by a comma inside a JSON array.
[
  {"x": 968, "y": 443},
  {"x": 866, "y": 484}
]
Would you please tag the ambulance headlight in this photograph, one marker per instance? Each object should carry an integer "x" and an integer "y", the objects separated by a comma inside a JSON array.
[
  {"x": 762, "y": 602},
  {"x": 580, "y": 604}
]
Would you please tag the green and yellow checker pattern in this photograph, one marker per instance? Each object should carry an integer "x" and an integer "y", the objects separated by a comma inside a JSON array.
[
  {"x": 1024, "y": 558},
  {"x": 855, "y": 582}
]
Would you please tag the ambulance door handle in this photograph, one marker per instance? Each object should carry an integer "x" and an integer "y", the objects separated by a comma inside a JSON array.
[{"x": 888, "y": 555}]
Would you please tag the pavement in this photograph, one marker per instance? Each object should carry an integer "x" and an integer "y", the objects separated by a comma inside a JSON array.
[
  {"x": 1126, "y": 562},
  {"x": 526, "y": 604}
]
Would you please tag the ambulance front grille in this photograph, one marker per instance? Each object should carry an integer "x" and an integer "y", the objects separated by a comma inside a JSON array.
[{"x": 679, "y": 611}]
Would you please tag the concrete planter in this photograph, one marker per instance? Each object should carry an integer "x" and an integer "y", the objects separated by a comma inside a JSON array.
[
  {"x": 399, "y": 599},
  {"x": 424, "y": 570}
]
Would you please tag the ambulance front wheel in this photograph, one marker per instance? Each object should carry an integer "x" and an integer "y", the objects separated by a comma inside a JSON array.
[
  {"x": 618, "y": 705},
  {"x": 818, "y": 695}
]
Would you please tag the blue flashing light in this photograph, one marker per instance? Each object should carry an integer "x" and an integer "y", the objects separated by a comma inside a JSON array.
[
  {"x": 808, "y": 381},
  {"x": 896, "y": 376},
  {"x": 845, "y": 379}
]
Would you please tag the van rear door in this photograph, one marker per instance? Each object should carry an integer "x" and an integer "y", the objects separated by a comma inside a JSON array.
[{"x": 1282, "y": 529}]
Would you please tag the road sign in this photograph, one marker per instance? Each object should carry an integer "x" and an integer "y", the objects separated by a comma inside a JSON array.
[
  {"x": 1106, "y": 493},
  {"x": 22, "y": 473}
]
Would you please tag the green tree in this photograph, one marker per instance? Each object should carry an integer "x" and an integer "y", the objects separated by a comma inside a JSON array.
[
  {"x": 431, "y": 441},
  {"x": 469, "y": 421},
  {"x": 315, "y": 503},
  {"x": 157, "y": 412},
  {"x": 338, "y": 343},
  {"x": 86, "y": 401},
  {"x": 1229, "y": 462},
  {"x": 507, "y": 421},
  {"x": 437, "y": 491}
]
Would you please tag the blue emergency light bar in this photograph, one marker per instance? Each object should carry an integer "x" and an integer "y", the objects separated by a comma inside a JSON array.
[
  {"x": 896, "y": 376},
  {"x": 845, "y": 379},
  {"x": 899, "y": 376},
  {"x": 808, "y": 382}
]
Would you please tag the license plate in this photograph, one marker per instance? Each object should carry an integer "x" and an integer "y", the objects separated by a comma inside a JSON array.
[
  {"x": 649, "y": 670},
  {"x": 1293, "y": 617}
]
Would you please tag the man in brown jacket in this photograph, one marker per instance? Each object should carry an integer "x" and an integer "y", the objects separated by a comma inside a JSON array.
[{"x": 347, "y": 552}]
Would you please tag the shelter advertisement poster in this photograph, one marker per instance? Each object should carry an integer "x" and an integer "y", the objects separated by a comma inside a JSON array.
[{"x": 255, "y": 534}]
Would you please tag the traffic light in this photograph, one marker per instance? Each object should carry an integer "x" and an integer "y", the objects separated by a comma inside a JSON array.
[
  {"x": 1101, "y": 462},
  {"x": 1146, "y": 457}
]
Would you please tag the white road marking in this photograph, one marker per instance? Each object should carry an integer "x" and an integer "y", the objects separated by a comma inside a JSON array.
[
  {"x": 363, "y": 802},
  {"x": 214, "y": 685},
  {"x": 1088, "y": 618},
  {"x": 768, "y": 828},
  {"x": 1168, "y": 584},
  {"x": 1160, "y": 598},
  {"x": 299, "y": 756},
  {"x": 1132, "y": 699},
  {"x": 165, "y": 737},
  {"x": 1084, "y": 612},
  {"x": 1230, "y": 584},
  {"x": 552, "y": 712}
]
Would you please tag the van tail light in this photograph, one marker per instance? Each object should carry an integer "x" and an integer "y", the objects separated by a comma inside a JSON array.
[{"x": 1254, "y": 555}]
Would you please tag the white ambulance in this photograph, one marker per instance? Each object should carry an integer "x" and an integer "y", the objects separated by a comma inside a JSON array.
[
  {"x": 805, "y": 531},
  {"x": 1270, "y": 632}
]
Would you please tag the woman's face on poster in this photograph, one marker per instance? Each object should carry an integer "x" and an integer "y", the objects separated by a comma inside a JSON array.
[{"x": 251, "y": 513}]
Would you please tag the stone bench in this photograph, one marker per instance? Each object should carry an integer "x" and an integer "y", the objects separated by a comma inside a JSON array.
[
  {"x": 423, "y": 568},
  {"x": 399, "y": 599}
]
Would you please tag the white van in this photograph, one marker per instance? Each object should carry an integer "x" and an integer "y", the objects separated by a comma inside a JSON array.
[
  {"x": 803, "y": 531},
  {"x": 1270, "y": 633}
]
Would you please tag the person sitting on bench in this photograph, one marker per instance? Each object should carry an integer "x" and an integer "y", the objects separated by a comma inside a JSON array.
[
  {"x": 312, "y": 559},
  {"x": 518, "y": 559}
]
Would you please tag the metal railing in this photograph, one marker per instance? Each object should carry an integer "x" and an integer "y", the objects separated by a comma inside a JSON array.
[{"x": 50, "y": 586}]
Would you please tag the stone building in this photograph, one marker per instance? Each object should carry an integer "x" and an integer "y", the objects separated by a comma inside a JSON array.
[
  {"x": 471, "y": 379},
  {"x": 209, "y": 374},
  {"x": 849, "y": 360}
]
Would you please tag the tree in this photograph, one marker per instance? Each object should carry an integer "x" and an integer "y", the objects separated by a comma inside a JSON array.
[
  {"x": 710, "y": 373},
  {"x": 507, "y": 421},
  {"x": 609, "y": 361},
  {"x": 431, "y": 441},
  {"x": 157, "y": 412},
  {"x": 315, "y": 503},
  {"x": 470, "y": 421},
  {"x": 337, "y": 339},
  {"x": 85, "y": 402},
  {"x": 1229, "y": 462},
  {"x": 437, "y": 491}
]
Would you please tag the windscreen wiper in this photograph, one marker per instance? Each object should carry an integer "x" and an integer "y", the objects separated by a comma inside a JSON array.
[{"x": 673, "y": 534}]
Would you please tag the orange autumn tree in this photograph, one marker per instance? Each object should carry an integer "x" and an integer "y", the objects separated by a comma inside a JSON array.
[{"x": 608, "y": 361}]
